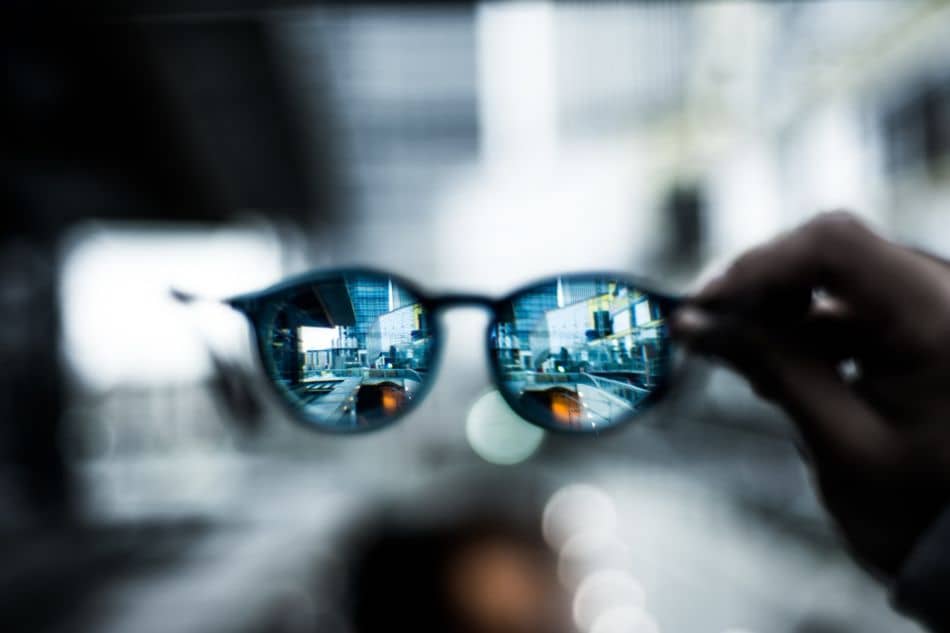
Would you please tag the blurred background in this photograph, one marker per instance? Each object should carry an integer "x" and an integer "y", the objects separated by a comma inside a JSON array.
[{"x": 148, "y": 482}]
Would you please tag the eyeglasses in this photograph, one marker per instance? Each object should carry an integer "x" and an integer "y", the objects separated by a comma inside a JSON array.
[{"x": 354, "y": 350}]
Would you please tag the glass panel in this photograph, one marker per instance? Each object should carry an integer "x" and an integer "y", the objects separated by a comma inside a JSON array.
[
  {"x": 581, "y": 353},
  {"x": 353, "y": 351}
]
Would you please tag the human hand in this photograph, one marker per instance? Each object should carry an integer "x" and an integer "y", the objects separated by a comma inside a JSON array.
[{"x": 787, "y": 314}]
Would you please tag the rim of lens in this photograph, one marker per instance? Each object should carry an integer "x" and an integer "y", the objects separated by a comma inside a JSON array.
[
  {"x": 542, "y": 417},
  {"x": 263, "y": 319}
]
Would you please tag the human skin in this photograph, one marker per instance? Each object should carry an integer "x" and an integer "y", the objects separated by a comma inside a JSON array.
[{"x": 786, "y": 315}]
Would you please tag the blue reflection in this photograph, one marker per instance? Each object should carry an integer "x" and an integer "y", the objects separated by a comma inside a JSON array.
[
  {"x": 350, "y": 351},
  {"x": 582, "y": 352}
]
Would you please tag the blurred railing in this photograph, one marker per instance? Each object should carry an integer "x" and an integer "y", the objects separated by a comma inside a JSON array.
[
  {"x": 624, "y": 390},
  {"x": 621, "y": 397},
  {"x": 365, "y": 372}
]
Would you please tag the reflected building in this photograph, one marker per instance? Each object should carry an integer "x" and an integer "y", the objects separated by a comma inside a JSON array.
[
  {"x": 621, "y": 330},
  {"x": 370, "y": 297},
  {"x": 285, "y": 344},
  {"x": 574, "y": 290},
  {"x": 400, "y": 297},
  {"x": 399, "y": 339},
  {"x": 512, "y": 337}
]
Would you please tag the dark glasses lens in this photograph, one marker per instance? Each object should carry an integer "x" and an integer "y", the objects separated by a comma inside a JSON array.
[
  {"x": 581, "y": 353},
  {"x": 350, "y": 351}
]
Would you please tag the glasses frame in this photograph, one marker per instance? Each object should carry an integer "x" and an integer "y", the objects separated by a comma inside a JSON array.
[{"x": 258, "y": 307}]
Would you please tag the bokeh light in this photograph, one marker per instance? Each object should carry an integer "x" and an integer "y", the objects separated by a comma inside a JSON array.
[
  {"x": 576, "y": 508},
  {"x": 603, "y": 591},
  {"x": 589, "y": 551},
  {"x": 625, "y": 620},
  {"x": 497, "y": 434}
]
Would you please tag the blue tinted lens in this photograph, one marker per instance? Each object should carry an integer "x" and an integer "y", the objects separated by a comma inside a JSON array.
[
  {"x": 350, "y": 352},
  {"x": 581, "y": 353}
]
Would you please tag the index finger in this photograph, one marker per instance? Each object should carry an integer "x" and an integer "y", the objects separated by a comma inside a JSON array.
[{"x": 835, "y": 252}]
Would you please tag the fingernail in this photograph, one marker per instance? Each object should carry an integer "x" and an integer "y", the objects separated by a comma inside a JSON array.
[{"x": 690, "y": 322}]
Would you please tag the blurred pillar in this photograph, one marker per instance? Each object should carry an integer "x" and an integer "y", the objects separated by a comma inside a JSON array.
[
  {"x": 31, "y": 383},
  {"x": 516, "y": 84},
  {"x": 685, "y": 214}
]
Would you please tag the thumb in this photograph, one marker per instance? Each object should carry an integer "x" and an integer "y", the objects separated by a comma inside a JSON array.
[{"x": 835, "y": 423}]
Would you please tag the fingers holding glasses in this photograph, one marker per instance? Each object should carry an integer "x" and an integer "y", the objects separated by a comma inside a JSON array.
[
  {"x": 835, "y": 260},
  {"x": 787, "y": 314},
  {"x": 790, "y": 368}
]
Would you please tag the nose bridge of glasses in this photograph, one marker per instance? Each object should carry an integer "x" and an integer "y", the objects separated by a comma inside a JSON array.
[{"x": 462, "y": 300}]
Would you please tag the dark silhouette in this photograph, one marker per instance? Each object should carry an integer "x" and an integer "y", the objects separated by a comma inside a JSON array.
[{"x": 850, "y": 334}]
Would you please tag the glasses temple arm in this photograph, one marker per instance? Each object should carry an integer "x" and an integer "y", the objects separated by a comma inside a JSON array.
[{"x": 185, "y": 297}]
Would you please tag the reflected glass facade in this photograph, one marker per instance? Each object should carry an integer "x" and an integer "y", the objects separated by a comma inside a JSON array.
[
  {"x": 370, "y": 298},
  {"x": 530, "y": 308}
]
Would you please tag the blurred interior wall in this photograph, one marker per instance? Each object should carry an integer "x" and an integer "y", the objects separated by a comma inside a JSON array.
[{"x": 136, "y": 112}]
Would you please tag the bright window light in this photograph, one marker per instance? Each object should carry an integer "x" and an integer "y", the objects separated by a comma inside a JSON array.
[{"x": 120, "y": 324}]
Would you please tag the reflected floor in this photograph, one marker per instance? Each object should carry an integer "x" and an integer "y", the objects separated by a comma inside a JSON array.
[
  {"x": 580, "y": 401},
  {"x": 349, "y": 401}
]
